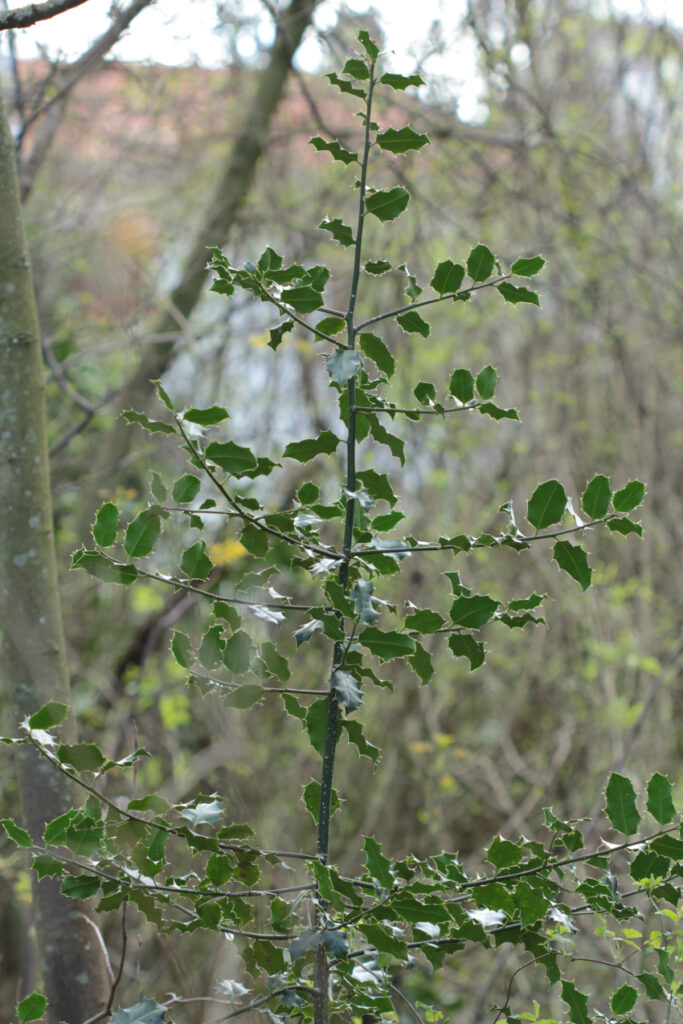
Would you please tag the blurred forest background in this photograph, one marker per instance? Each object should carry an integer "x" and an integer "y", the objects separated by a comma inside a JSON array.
[{"x": 128, "y": 172}]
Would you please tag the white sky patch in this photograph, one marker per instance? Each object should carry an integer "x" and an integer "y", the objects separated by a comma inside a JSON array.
[{"x": 185, "y": 31}]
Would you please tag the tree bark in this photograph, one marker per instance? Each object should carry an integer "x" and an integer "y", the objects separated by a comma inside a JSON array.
[
  {"x": 32, "y": 654},
  {"x": 231, "y": 191}
]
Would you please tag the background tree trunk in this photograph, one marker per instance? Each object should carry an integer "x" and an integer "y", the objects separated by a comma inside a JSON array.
[{"x": 32, "y": 655}]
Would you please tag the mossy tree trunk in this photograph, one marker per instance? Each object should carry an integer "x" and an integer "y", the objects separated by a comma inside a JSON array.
[{"x": 32, "y": 655}]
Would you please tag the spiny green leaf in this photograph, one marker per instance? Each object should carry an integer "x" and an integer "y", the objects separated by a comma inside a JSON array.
[
  {"x": 652, "y": 985},
  {"x": 361, "y": 595},
  {"x": 377, "y": 484},
  {"x": 343, "y": 85},
  {"x": 182, "y": 649},
  {"x": 335, "y": 942},
  {"x": 237, "y": 653},
  {"x": 659, "y": 799},
  {"x": 316, "y": 724},
  {"x": 463, "y": 645},
  {"x": 412, "y": 323},
  {"x": 80, "y": 887},
  {"x": 312, "y": 800},
  {"x": 629, "y": 497},
  {"x": 303, "y": 298},
  {"x": 421, "y": 663},
  {"x": 400, "y": 81},
  {"x": 195, "y": 562},
  {"x": 186, "y": 488},
  {"x": 424, "y": 621},
  {"x": 368, "y": 44},
  {"x": 153, "y": 426},
  {"x": 489, "y": 409},
  {"x": 503, "y": 854},
  {"x": 620, "y": 805},
  {"x": 447, "y": 277},
  {"x": 376, "y": 267},
  {"x": 31, "y": 1008},
  {"x": 158, "y": 487},
  {"x": 384, "y": 941},
  {"x": 377, "y": 865},
  {"x": 624, "y": 999},
  {"x": 577, "y": 1003},
  {"x": 244, "y": 697},
  {"x": 346, "y": 689},
  {"x": 106, "y": 524},
  {"x": 52, "y": 713},
  {"x": 211, "y": 648},
  {"x": 84, "y": 757},
  {"x": 462, "y": 385},
  {"x": 547, "y": 504},
  {"x": 277, "y": 334},
  {"x": 103, "y": 568},
  {"x": 342, "y": 365},
  {"x": 146, "y": 1012},
  {"x": 386, "y": 645},
  {"x": 354, "y": 731},
  {"x": 163, "y": 395},
  {"x": 341, "y": 232},
  {"x": 387, "y": 203},
  {"x": 486, "y": 382},
  {"x": 624, "y": 527},
  {"x": 324, "y": 444},
  {"x": 142, "y": 533},
  {"x": 473, "y": 612},
  {"x": 18, "y": 835},
  {"x": 597, "y": 496},
  {"x": 335, "y": 149},
  {"x": 375, "y": 349},
  {"x": 330, "y": 325},
  {"x": 356, "y": 69},
  {"x": 480, "y": 263},
  {"x": 230, "y": 457},
  {"x": 305, "y": 632},
  {"x": 511, "y": 293},
  {"x": 206, "y": 417},
  {"x": 401, "y": 140},
  {"x": 527, "y": 267},
  {"x": 573, "y": 559}
]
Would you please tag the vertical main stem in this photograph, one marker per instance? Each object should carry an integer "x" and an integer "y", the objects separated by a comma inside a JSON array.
[{"x": 321, "y": 967}]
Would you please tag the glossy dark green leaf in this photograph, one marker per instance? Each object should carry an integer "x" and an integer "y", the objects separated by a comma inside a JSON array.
[
  {"x": 401, "y": 140},
  {"x": 103, "y": 568},
  {"x": 511, "y": 293},
  {"x": 342, "y": 365},
  {"x": 186, "y": 488},
  {"x": 620, "y": 805},
  {"x": 480, "y": 263},
  {"x": 343, "y": 85},
  {"x": 206, "y": 417},
  {"x": 237, "y": 653},
  {"x": 424, "y": 621},
  {"x": 277, "y": 334},
  {"x": 153, "y": 426},
  {"x": 577, "y": 1003},
  {"x": 376, "y": 267},
  {"x": 303, "y": 298},
  {"x": 496, "y": 413},
  {"x": 211, "y": 647},
  {"x": 532, "y": 904},
  {"x": 486, "y": 382},
  {"x": 80, "y": 887},
  {"x": 383, "y": 940},
  {"x": 17, "y": 834},
  {"x": 335, "y": 942},
  {"x": 652, "y": 985},
  {"x": 356, "y": 69},
  {"x": 473, "y": 612},
  {"x": 354, "y": 730},
  {"x": 377, "y": 865},
  {"x": 503, "y": 854},
  {"x": 195, "y": 562},
  {"x": 527, "y": 267},
  {"x": 341, "y": 232},
  {"x": 377, "y": 484},
  {"x": 388, "y": 521},
  {"x": 659, "y": 799},
  {"x": 463, "y": 645},
  {"x": 421, "y": 663},
  {"x": 84, "y": 757},
  {"x": 335, "y": 149},
  {"x": 547, "y": 504},
  {"x": 142, "y": 534},
  {"x": 312, "y": 800},
  {"x": 387, "y": 203},
  {"x": 375, "y": 349},
  {"x": 624, "y": 527},
  {"x": 629, "y": 497},
  {"x": 324, "y": 444},
  {"x": 386, "y": 645},
  {"x": 230, "y": 457},
  {"x": 331, "y": 325},
  {"x": 31, "y": 1008},
  {"x": 106, "y": 524},
  {"x": 597, "y": 496},
  {"x": 52, "y": 713},
  {"x": 624, "y": 999},
  {"x": 448, "y": 277},
  {"x": 316, "y": 724},
  {"x": 254, "y": 539},
  {"x": 158, "y": 487},
  {"x": 244, "y": 697},
  {"x": 346, "y": 689},
  {"x": 368, "y": 44},
  {"x": 400, "y": 81},
  {"x": 462, "y": 385},
  {"x": 574, "y": 561},
  {"x": 412, "y": 323}
]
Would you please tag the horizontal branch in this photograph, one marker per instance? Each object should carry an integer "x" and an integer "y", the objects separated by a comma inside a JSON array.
[
  {"x": 31, "y": 14},
  {"x": 416, "y": 412},
  {"x": 430, "y": 302}
]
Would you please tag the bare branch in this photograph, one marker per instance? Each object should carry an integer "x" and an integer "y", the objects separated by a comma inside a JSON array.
[{"x": 31, "y": 14}]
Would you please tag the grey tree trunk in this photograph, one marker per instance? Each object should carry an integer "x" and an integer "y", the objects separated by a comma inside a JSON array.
[
  {"x": 32, "y": 655},
  {"x": 229, "y": 195}
]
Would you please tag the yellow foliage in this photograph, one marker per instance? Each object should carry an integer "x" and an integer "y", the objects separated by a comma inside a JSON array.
[{"x": 227, "y": 552}]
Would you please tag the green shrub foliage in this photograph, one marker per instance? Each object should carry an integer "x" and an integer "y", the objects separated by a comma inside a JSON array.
[{"x": 332, "y": 944}]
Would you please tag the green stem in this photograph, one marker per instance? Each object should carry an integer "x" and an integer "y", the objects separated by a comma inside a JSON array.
[{"x": 333, "y": 704}]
